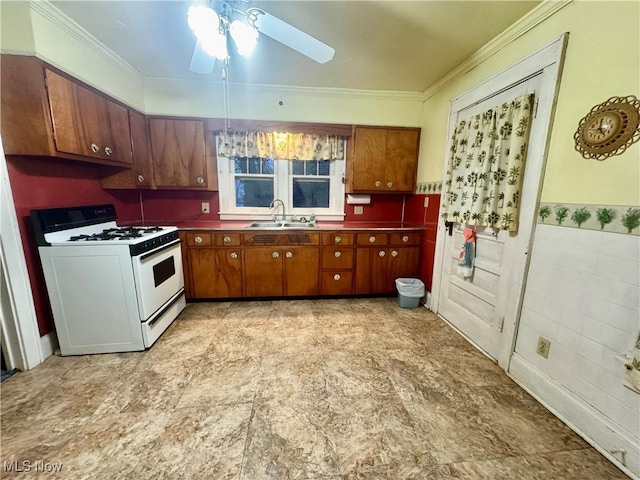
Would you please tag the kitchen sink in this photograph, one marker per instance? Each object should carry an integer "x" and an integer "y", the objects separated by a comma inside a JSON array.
[{"x": 282, "y": 225}]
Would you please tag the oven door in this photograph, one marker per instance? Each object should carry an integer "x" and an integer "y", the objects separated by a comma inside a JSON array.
[{"x": 158, "y": 277}]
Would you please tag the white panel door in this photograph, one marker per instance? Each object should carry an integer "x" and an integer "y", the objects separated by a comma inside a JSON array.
[{"x": 477, "y": 305}]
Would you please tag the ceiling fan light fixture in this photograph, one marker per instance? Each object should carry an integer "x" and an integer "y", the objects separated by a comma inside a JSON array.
[
  {"x": 205, "y": 23},
  {"x": 244, "y": 36}
]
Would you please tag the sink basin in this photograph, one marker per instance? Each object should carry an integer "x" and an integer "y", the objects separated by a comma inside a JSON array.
[{"x": 281, "y": 226}]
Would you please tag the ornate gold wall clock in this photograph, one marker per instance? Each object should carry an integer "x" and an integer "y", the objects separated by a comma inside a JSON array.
[{"x": 609, "y": 128}]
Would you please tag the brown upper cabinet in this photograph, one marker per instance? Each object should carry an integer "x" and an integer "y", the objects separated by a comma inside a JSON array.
[
  {"x": 45, "y": 113},
  {"x": 183, "y": 153},
  {"x": 384, "y": 159}
]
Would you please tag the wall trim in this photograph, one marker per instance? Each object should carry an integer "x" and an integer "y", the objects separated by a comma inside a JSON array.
[
  {"x": 49, "y": 12},
  {"x": 48, "y": 345},
  {"x": 528, "y": 22},
  {"x": 578, "y": 415}
]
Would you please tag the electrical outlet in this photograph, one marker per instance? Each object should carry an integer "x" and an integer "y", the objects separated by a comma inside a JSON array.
[
  {"x": 543, "y": 347},
  {"x": 358, "y": 210},
  {"x": 205, "y": 207}
]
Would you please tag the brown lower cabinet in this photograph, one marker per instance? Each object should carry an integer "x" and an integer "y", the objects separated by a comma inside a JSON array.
[{"x": 267, "y": 264}]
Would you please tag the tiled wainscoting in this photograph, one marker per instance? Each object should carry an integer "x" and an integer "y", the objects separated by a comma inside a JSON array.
[{"x": 582, "y": 293}]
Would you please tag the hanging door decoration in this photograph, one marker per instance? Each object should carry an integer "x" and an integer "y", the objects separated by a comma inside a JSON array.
[{"x": 486, "y": 166}]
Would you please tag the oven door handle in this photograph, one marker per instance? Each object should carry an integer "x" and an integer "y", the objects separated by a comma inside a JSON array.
[{"x": 161, "y": 249}]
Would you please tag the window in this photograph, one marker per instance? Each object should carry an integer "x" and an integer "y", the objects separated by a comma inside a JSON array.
[{"x": 248, "y": 185}]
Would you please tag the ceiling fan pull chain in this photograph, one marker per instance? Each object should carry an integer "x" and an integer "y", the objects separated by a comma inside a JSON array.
[{"x": 225, "y": 94}]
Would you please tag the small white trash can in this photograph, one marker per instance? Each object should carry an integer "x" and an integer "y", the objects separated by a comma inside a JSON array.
[{"x": 410, "y": 290}]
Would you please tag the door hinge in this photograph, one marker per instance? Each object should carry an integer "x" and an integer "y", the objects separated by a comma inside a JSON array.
[
  {"x": 535, "y": 109},
  {"x": 501, "y": 324}
]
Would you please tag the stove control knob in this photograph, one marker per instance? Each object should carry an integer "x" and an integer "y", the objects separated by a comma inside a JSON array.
[
  {"x": 95, "y": 148},
  {"x": 108, "y": 151},
  {"x": 227, "y": 239},
  {"x": 140, "y": 178},
  {"x": 200, "y": 180},
  {"x": 198, "y": 239},
  {"x": 234, "y": 255}
]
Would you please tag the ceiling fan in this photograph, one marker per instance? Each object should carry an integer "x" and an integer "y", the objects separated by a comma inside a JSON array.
[{"x": 214, "y": 21}]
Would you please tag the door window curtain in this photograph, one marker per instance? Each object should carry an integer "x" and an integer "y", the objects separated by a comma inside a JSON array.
[
  {"x": 281, "y": 145},
  {"x": 486, "y": 166}
]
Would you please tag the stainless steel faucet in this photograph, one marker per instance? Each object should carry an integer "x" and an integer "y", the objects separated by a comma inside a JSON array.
[{"x": 277, "y": 201}]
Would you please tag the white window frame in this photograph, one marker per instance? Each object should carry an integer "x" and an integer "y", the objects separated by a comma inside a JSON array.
[{"x": 283, "y": 190}]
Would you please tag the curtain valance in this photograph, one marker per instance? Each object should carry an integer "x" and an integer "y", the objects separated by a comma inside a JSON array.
[
  {"x": 486, "y": 166},
  {"x": 281, "y": 145}
]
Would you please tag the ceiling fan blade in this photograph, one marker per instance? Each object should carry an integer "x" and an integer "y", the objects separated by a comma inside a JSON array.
[
  {"x": 201, "y": 61},
  {"x": 290, "y": 36}
]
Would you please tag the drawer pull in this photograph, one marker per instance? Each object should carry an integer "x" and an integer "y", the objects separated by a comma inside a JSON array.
[
  {"x": 378, "y": 184},
  {"x": 234, "y": 255},
  {"x": 140, "y": 178},
  {"x": 382, "y": 253},
  {"x": 95, "y": 148},
  {"x": 275, "y": 255},
  {"x": 405, "y": 238},
  {"x": 289, "y": 255},
  {"x": 394, "y": 253},
  {"x": 336, "y": 277},
  {"x": 389, "y": 184},
  {"x": 338, "y": 254},
  {"x": 200, "y": 180},
  {"x": 338, "y": 239},
  {"x": 198, "y": 239},
  {"x": 227, "y": 240},
  {"x": 372, "y": 239},
  {"x": 108, "y": 151}
]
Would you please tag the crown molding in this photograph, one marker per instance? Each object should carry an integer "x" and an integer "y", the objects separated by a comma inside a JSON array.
[
  {"x": 49, "y": 12},
  {"x": 528, "y": 22},
  {"x": 264, "y": 89}
]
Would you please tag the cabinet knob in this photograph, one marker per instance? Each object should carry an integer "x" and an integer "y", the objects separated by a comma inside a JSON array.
[
  {"x": 336, "y": 277},
  {"x": 140, "y": 178},
  {"x": 405, "y": 238},
  {"x": 338, "y": 239},
  {"x": 234, "y": 255},
  {"x": 198, "y": 239},
  {"x": 382, "y": 253},
  {"x": 200, "y": 180},
  {"x": 95, "y": 148},
  {"x": 394, "y": 253},
  {"x": 108, "y": 151},
  {"x": 389, "y": 184},
  {"x": 372, "y": 239},
  {"x": 289, "y": 255},
  {"x": 338, "y": 254},
  {"x": 378, "y": 184},
  {"x": 227, "y": 240},
  {"x": 275, "y": 255}
]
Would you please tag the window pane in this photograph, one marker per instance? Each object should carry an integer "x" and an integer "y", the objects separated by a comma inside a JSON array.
[
  {"x": 310, "y": 193},
  {"x": 254, "y": 192},
  {"x": 312, "y": 167},
  {"x": 323, "y": 167},
  {"x": 240, "y": 165},
  {"x": 254, "y": 165},
  {"x": 267, "y": 166},
  {"x": 297, "y": 167}
]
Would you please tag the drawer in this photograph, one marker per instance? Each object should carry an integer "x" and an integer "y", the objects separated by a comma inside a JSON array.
[
  {"x": 406, "y": 238},
  {"x": 337, "y": 283},
  {"x": 336, "y": 258},
  {"x": 227, "y": 239},
  {"x": 373, "y": 238},
  {"x": 199, "y": 239},
  {"x": 292, "y": 238},
  {"x": 337, "y": 238}
]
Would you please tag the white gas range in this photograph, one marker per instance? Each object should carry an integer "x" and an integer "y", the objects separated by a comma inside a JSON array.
[{"x": 111, "y": 288}]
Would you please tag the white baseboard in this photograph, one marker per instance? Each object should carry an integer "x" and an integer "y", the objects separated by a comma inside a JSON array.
[
  {"x": 597, "y": 429},
  {"x": 48, "y": 345}
]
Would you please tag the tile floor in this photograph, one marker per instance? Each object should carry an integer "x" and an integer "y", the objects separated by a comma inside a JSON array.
[{"x": 322, "y": 389}]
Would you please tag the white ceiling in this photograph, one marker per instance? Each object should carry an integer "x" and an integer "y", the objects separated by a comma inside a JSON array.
[{"x": 380, "y": 45}]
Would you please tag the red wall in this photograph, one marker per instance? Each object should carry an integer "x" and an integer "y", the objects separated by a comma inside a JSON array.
[
  {"x": 383, "y": 208},
  {"x": 416, "y": 212}
]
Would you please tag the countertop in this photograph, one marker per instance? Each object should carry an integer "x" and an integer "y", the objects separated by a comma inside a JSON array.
[{"x": 322, "y": 226}]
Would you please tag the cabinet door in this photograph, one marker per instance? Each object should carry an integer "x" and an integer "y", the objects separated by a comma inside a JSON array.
[
  {"x": 216, "y": 273},
  {"x": 369, "y": 162},
  {"x": 337, "y": 282},
  {"x": 401, "y": 160},
  {"x": 142, "y": 169},
  {"x": 371, "y": 271},
  {"x": 403, "y": 263},
  {"x": 87, "y": 124},
  {"x": 263, "y": 275},
  {"x": 179, "y": 153},
  {"x": 301, "y": 271}
]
